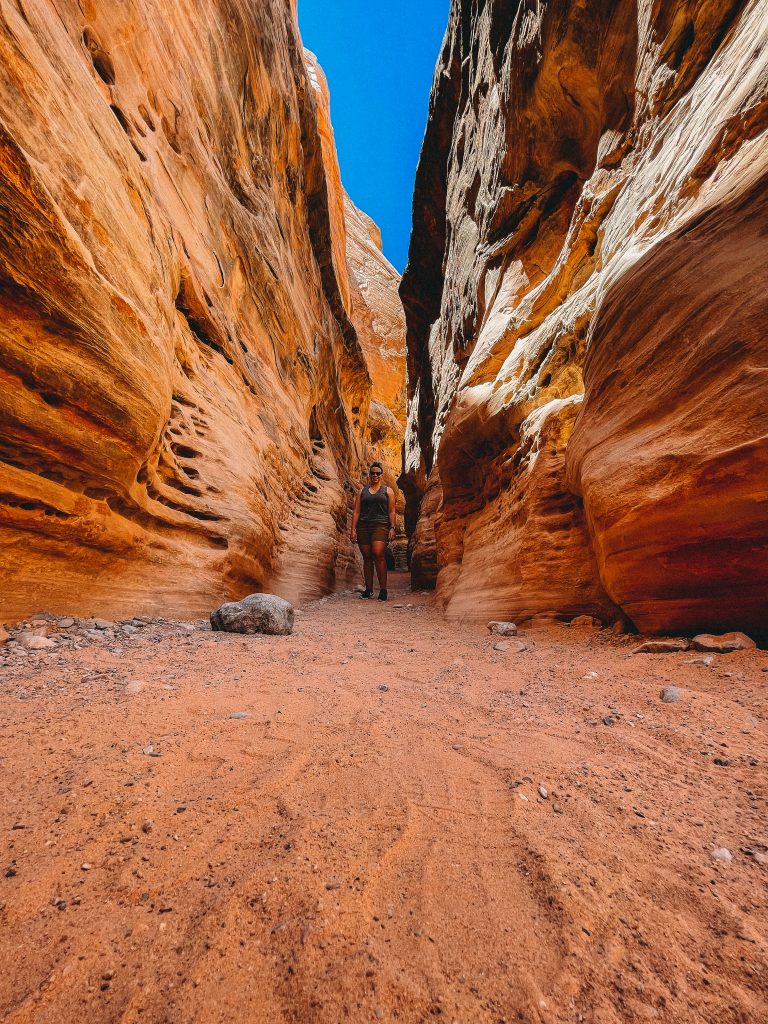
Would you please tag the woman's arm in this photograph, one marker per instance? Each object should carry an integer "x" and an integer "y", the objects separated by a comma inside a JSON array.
[
  {"x": 392, "y": 513},
  {"x": 355, "y": 517}
]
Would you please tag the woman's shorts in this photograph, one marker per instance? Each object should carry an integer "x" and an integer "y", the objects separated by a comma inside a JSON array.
[{"x": 369, "y": 532}]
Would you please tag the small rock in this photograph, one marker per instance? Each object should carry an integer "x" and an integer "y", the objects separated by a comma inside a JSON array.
[
  {"x": 587, "y": 621},
  {"x": 621, "y": 627},
  {"x": 383, "y": 687},
  {"x": 557, "y": 808},
  {"x": 761, "y": 858},
  {"x": 662, "y": 647},
  {"x": 35, "y": 643},
  {"x": 502, "y": 628},
  {"x": 150, "y": 751},
  {"x": 147, "y": 826},
  {"x": 4, "y": 636},
  {"x": 238, "y": 716},
  {"x": 722, "y": 854},
  {"x": 102, "y": 624},
  {"x": 722, "y": 762},
  {"x": 502, "y": 646},
  {"x": 128, "y": 629},
  {"x": 591, "y": 675},
  {"x": 723, "y": 644},
  {"x": 333, "y": 885},
  {"x": 86, "y": 867},
  {"x": 257, "y": 613},
  {"x": 706, "y": 660},
  {"x": 543, "y": 792},
  {"x": 608, "y": 720},
  {"x": 671, "y": 694},
  {"x": 65, "y": 623}
]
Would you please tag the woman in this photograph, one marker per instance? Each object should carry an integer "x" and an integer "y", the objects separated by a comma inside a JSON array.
[{"x": 373, "y": 522}]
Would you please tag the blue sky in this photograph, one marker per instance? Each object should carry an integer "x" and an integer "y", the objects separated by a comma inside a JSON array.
[{"x": 379, "y": 57}]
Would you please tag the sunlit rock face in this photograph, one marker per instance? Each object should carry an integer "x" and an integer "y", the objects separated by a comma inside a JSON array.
[
  {"x": 377, "y": 314},
  {"x": 585, "y": 306},
  {"x": 183, "y": 395}
]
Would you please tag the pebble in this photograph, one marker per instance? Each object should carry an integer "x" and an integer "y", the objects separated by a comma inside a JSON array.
[
  {"x": 543, "y": 792},
  {"x": 35, "y": 643},
  {"x": 706, "y": 660},
  {"x": 65, "y": 623},
  {"x": 502, "y": 646},
  {"x": 607, "y": 720},
  {"x": 662, "y": 647},
  {"x": 557, "y": 808},
  {"x": 102, "y": 624},
  {"x": 722, "y": 854},
  {"x": 86, "y": 867},
  {"x": 239, "y": 715},
  {"x": 502, "y": 628},
  {"x": 671, "y": 694},
  {"x": 722, "y": 644},
  {"x": 383, "y": 687},
  {"x": 150, "y": 751},
  {"x": 333, "y": 885}
]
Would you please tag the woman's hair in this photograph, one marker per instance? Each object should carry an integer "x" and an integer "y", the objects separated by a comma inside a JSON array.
[{"x": 378, "y": 465}]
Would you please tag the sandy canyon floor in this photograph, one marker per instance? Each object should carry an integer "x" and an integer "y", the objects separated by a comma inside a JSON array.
[{"x": 381, "y": 818}]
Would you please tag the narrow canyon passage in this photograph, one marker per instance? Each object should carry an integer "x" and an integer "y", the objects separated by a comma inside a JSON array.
[{"x": 381, "y": 817}]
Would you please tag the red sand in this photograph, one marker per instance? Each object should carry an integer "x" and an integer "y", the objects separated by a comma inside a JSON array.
[{"x": 354, "y": 853}]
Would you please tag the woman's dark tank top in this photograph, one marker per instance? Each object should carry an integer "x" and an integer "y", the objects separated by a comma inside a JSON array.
[{"x": 374, "y": 508}]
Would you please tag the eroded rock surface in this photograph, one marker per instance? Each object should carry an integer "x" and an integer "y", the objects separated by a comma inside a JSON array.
[
  {"x": 584, "y": 302},
  {"x": 183, "y": 397}
]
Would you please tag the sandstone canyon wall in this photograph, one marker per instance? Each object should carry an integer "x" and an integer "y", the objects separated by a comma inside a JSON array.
[
  {"x": 183, "y": 396},
  {"x": 586, "y": 306}
]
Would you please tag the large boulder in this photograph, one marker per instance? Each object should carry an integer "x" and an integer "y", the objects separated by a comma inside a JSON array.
[{"x": 257, "y": 613}]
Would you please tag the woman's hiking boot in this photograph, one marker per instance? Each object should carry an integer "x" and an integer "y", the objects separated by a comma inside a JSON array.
[
  {"x": 382, "y": 595},
  {"x": 366, "y": 594}
]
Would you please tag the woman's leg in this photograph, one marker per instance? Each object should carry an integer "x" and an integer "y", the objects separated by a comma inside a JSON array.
[
  {"x": 365, "y": 551},
  {"x": 380, "y": 558}
]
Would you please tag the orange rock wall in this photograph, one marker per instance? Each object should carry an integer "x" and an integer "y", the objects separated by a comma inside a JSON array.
[
  {"x": 182, "y": 393},
  {"x": 585, "y": 312}
]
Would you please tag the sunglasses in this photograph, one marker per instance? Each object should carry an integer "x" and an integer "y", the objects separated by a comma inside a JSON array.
[{"x": 375, "y": 472}]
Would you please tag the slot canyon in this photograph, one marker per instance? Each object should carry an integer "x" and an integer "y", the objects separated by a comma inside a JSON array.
[{"x": 528, "y": 783}]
